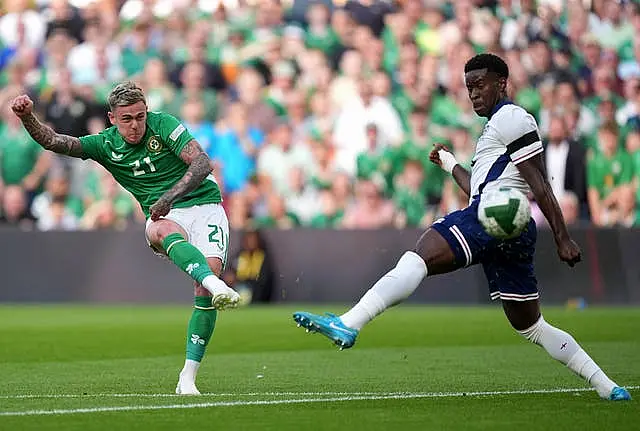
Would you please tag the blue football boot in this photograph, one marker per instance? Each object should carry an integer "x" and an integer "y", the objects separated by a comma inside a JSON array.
[
  {"x": 619, "y": 394},
  {"x": 328, "y": 325}
]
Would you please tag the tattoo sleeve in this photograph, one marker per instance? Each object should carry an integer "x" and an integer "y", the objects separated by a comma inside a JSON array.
[
  {"x": 199, "y": 167},
  {"x": 50, "y": 140}
]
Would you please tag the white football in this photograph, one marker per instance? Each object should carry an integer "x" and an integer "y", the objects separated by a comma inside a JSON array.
[{"x": 504, "y": 213}]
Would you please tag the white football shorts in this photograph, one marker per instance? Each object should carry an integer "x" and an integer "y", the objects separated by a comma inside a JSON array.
[{"x": 207, "y": 229}]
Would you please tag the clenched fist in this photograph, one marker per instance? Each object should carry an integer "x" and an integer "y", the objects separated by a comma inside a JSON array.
[
  {"x": 569, "y": 252},
  {"x": 159, "y": 209},
  {"x": 434, "y": 156},
  {"x": 22, "y": 106},
  {"x": 443, "y": 157}
]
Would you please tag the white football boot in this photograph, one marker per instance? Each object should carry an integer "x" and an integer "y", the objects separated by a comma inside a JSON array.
[{"x": 223, "y": 296}]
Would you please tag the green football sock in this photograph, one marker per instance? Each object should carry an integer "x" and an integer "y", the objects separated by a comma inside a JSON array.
[
  {"x": 186, "y": 257},
  {"x": 201, "y": 325}
]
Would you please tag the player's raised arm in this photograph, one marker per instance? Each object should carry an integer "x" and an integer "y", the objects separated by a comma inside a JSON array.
[
  {"x": 44, "y": 135},
  {"x": 533, "y": 171},
  {"x": 199, "y": 167},
  {"x": 442, "y": 157}
]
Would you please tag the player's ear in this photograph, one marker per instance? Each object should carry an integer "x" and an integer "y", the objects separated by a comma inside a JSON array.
[
  {"x": 502, "y": 84},
  {"x": 112, "y": 118}
]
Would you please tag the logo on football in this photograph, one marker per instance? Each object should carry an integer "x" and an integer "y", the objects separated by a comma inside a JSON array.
[{"x": 504, "y": 213}]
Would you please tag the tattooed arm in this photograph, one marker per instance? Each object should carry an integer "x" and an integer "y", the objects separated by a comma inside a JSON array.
[
  {"x": 44, "y": 135},
  {"x": 199, "y": 167}
]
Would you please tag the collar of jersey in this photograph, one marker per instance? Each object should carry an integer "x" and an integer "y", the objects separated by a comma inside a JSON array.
[{"x": 500, "y": 105}]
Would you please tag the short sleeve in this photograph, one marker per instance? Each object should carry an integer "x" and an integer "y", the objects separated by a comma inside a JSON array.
[
  {"x": 626, "y": 175},
  {"x": 92, "y": 146},
  {"x": 174, "y": 133},
  {"x": 519, "y": 131}
]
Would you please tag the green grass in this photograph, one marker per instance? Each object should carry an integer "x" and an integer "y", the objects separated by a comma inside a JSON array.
[{"x": 78, "y": 357}]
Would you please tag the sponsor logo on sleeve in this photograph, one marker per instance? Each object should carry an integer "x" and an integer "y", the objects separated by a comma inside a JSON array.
[{"x": 177, "y": 132}]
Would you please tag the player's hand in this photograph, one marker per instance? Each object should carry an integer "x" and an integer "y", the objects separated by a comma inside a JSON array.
[
  {"x": 160, "y": 209},
  {"x": 444, "y": 158},
  {"x": 22, "y": 106},
  {"x": 569, "y": 252},
  {"x": 434, "y": 156}
]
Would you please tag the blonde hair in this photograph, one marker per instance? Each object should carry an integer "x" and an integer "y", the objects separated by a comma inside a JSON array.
[{"x": 125, "y": 94}]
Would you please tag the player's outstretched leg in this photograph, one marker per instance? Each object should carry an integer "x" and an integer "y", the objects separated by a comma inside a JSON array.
[
  {"x": 200, "y": 329},
  {"x": 188, "y": 258},
  {"x": 432, "y": 252},
  {"x": 562, "y": 347}
]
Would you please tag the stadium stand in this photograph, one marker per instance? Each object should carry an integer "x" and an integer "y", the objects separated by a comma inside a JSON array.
[{"x": 321, "y": 114}]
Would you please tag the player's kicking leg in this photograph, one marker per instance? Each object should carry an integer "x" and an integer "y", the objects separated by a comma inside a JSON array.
[
  {"x": 525, "y": 317},
  {"x": 458, "y": 240},
  {"x": 432, "y": 256},
  {"x": 168, "y": 236}
]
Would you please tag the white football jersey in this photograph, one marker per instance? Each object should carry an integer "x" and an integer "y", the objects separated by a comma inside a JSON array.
[{"x": 510, "y": 137}]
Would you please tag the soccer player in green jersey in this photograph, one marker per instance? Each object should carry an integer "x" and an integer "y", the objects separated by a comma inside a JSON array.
[{"x": 155, "y": 158}]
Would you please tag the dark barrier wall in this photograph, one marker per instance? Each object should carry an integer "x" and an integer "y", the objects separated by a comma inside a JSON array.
[{"x": 312, "y": 266}]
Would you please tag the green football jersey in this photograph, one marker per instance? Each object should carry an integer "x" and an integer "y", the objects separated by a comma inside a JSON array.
[
  {"x": 604, "y": 174},
  {"x": 149, "y": 169},
  {"x": 18, "y": 155}
]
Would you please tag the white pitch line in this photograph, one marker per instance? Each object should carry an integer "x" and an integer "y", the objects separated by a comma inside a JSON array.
[
  {"x": 398, "y": 396},
  {"x": 209, "y": 394}
]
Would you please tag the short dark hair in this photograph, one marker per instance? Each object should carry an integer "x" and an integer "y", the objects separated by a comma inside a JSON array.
[{"x": 491, "y": 62}]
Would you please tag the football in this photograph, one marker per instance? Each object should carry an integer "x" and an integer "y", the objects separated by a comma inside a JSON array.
[{"x": 504, "y": 213}]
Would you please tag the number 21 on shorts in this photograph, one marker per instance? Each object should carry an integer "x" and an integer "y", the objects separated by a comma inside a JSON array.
[{"x": 216, "y": 235}]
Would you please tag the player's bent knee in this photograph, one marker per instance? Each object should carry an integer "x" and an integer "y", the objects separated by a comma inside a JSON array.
[
  {"x": 522, "y": 314},
  {"x": 436, "y": 252},
  {"x": 159, "y": 230}
]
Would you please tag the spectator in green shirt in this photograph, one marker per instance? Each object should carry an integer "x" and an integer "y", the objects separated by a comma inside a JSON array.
[
  {"x": 22, "y": 161},
  {"x": 330, "y": 215},
  {"x": 378, "y": 159},
  {"x": 139, "y": 50},
  {"x": 609, "y": 181},
  {"x": 396, "y": 36},
  {"x": 319, "y": 33},
  {"x": 604, "y": 87},
  {"x": 278, "y": 217},
  {"x": 614, "y": 31},
  {"x": 410, "y": 197},
  {"x": 193, "y": 77},
  {"x": 159, "y": 90},
  {"x": 633, "y": 148}
]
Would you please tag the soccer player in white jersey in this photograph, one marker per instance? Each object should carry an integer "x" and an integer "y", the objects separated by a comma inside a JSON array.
[{"x": 508, "y": 154}]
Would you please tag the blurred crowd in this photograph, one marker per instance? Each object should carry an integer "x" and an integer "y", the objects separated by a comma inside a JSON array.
[{"x": 317, "y": 113}]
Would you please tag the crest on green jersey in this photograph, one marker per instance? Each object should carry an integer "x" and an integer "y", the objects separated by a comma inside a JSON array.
[{"x": 154, "y": 145}]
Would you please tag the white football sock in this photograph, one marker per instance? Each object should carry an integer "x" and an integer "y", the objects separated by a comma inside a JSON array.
[
  {"x": 190, "y": 370},
  {"x": 215, "y": 285},
  {"x": 564, "y": 348},
  {"x": 395, "y": 286}
]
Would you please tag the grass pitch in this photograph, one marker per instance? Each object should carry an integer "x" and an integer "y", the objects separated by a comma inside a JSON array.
[{"x": 94, "y": 368}]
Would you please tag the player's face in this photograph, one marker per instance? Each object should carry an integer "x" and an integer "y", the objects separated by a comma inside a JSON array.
[
  {"x": 485, "y": 90},
  {"x": 131, "y": 121}
]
